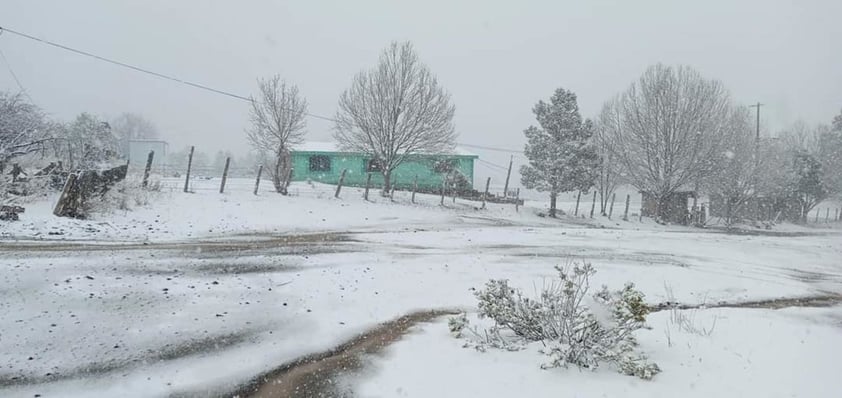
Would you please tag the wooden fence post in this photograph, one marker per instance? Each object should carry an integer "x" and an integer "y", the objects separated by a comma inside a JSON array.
[
  {"x": 517, "y": 200},
  {"x": 826, "y": 214},
  {"x": 817, "y": 216},
  {"x": 611, "y": 209},
  {"x": 189, "y": 165},
  {"x": 367, "y": 186},
  {"x": 148, "y": 168},
  {"x": 341, "y": 181},
  {"x": 837, "y": 214},
  {"x": 257, "y": 181},
  {"x": 626, "y": 212},
  {"x": 593, "y": 205},
  {"x": 578, "y": 197},
  {"x": 485, "y": 195},
  {"x": 414, "y": 188},
  {"x": 224, "y": 175}
]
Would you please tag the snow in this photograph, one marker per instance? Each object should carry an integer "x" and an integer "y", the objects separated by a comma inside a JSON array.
[
  {"x": 751, "y": 353},
  {"x": 200, "y": 308}
]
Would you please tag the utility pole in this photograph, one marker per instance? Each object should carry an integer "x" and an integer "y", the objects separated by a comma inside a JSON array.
[
  {"x": 757, "y": 133},
  {"x": 508, "y": 174}
]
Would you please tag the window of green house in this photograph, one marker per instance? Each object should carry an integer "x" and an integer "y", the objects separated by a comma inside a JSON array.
[
  {"x": 319, "y": 163},
  {"x": 372, "y": 166}
]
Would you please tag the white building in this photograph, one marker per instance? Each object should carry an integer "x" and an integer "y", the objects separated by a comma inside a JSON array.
[{"x": 139, "y": 152}]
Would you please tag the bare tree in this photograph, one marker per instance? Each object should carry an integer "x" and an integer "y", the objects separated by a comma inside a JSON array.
[
  {"x": 23, "y": 128},
  {"x": 278, "y": 123},
  {"x": 742, "y": 172},
  {"x": 607, "y": 126},
  {"x": 131, "y": 126},
  {"x": 673, "y": 127},
  {"x": 395, "y": 110}
]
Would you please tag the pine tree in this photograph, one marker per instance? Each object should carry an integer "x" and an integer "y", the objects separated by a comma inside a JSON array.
[{"x": 561, "y": 156}]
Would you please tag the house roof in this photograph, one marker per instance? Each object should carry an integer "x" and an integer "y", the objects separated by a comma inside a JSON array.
[{"x": 328, "y": 146}]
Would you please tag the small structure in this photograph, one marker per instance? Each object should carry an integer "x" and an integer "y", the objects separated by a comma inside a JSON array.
[
  {"x": 139, "y": 151},
  {"x": 677, "y": 207},
  {"x": 324, "y": 162}
]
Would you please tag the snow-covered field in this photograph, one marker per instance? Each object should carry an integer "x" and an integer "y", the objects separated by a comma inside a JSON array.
[{"x": 229, "y": 286}]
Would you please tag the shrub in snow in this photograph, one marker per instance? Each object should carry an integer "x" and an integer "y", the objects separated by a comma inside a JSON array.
[
  {"x": 575, "y": 327},
  {"x": 124, "y": 195}
]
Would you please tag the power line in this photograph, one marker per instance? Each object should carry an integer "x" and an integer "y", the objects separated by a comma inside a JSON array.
[
  {"x": 501, "y": 168},
  {"x": 185, "y": 82},
  {"x": 14, "y": 76},
  {"x": 489, "y": 148},
  {"x": 142, "y": 70}
]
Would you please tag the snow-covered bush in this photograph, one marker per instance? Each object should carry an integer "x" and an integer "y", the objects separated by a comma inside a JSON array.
[
  {"x": 125, "y": 195},
  {"x": 575, "y": 327}
]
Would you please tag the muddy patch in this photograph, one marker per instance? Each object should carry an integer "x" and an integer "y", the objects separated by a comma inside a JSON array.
[
  {"x": 224, "y": 245},
  {"x": 167, "y": 352},
  {"x": 827, "y": 300},
  {"x": 316, "y": 375}
]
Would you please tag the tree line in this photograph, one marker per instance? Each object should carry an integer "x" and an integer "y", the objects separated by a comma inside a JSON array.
[
  {"x": 674, "y": 130},
  {"x": 85, "y": 142}
]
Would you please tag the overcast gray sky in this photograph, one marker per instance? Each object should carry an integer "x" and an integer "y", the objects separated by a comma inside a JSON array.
[{"x": 497, "y": 58}]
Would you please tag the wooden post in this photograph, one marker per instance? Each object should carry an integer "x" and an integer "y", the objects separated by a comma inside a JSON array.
[
  {"x": 626, "y": 213},
  {"x": 189, "y": 165},
  {"x": 508, "y": 174},
  {"x": 147, "y": 169},
  {"x": 257, "y": 181},
  {"x": 58, "y": 210},
  {"x": 341, "y": 181},
  {"x": 837, "y": 214},
  {"x": 485, "y": 195},
  {"x": 611, "y": 209},
  {"x": 817, "y": 215},
  {"x": 367, "y": 186},
  {"x": 517, "y": 200},
  {"x": 578, "y": 197},
  {"x": 224, "y": 175},
  {"x": 826, "y": 214},
  {"x": 593, "y": 205},
  {"x": 414, "y": 188}
]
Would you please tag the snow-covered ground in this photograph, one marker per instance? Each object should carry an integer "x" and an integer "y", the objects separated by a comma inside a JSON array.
[{"x": 227, "y": 288}]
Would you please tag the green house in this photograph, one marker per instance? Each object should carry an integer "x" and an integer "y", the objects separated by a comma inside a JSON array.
[{"x": 324, "y": 162}]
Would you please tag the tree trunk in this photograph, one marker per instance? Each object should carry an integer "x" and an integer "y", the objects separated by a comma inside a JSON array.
[
  {"x": 277, "y": 176},
  {"x": 387, "y": 183},
  {"x": 553, "y": 196},
  {"x": 283, "y": 166}
]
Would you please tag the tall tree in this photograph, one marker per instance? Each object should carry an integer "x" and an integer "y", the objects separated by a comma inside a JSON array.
[
  {"x": 86, "y": 143},
  {"x": 395, "y": 110},
  {"x": 674, "y": 125},
  {"x": 809, "y": 188},
  {"x": 561, "y": 155},
  {"x": 737, "y": 179},
  {"x": 23, "y": 128},
  {"x": 132, "y": 126},
  {"x": 278, "y": 123},
  {"x": 610, "y": 173}
]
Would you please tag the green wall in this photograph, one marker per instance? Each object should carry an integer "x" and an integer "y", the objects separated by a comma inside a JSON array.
[{"x": 402, "y": 177}]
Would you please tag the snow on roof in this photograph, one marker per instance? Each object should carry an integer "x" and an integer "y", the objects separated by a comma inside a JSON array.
[{"x": 327, "y": 146}]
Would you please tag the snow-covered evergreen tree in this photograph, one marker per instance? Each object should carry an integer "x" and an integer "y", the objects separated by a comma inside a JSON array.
[{"x": 561, "y": 156}]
